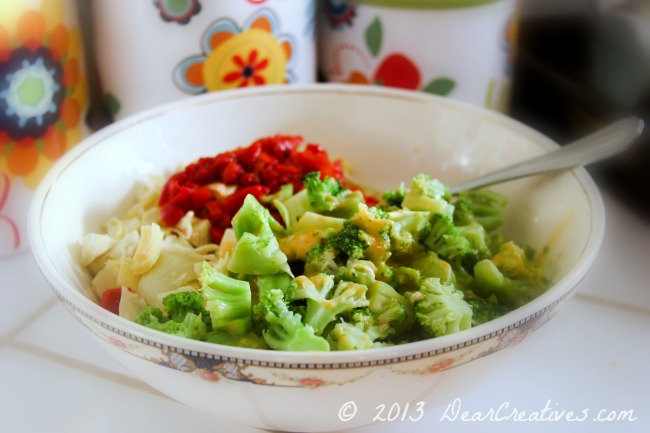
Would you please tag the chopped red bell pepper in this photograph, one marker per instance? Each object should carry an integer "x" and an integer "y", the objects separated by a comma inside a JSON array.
[
  {"x": 111, "y": 299},
  {"x": 259, "y": 169}
]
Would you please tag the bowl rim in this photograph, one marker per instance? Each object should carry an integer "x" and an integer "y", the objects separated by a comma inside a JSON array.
[{"x": 77, "y": 302}]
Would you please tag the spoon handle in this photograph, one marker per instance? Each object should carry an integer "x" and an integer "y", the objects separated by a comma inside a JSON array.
[{"x": 599, "y": 145}]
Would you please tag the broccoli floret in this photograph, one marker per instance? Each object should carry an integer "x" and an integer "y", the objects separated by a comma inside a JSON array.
[
  {"x": 327, "y": 300},
  {"x": 515, "y": 262},
  {"x": 408, "y": 230},
  {"x": 192, "y": 325},
  {"x": 357, "y": 271},
  {"x": 348, "y": 205},
  {"x": 349, "y": 241},
  {"x": 346, "y": 336},
  {"x": 395, "y": 197},
  {"x": 326, "y": 196},
  {"x": 262, "y": 284},
  {"x": 482, "y": 206},
  {"x": 375, "y": 231},
  {"x": 463, "y": 271},
  {"x": 257, "y": 251},
  {"x": 338, "y": 248},
  {"x": 429, "y": 264},
  {"x": 321, "y": 259},
  {"x": 284, "y": 329},
  {"x": 393, "y": 313},
  {"x": 484, "y": 310},
  {"x": 478, "y": 239},
  {"x": 363, "y": 319},
  {"x": 440, "y": 308},
  {"x": 376, "y": 332},
  {"x": 151, "y": 316},
  {"x": 387, "y": 316},
  {"x": 524, "y": 286},
  {"x": 377, "y": 212},
  {"x": 445, "y": 239},
  {"x": 405, "y": 279},
  {"x": 427, "y": 194},
  {"x": 306, "y": 233},
  {"x": 322, "y": 193},
  {"x": 178, "y": 305},
  {"x": 228, "y": 301}
]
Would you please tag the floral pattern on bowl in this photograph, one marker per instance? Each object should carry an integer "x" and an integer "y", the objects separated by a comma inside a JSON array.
[{"x": 210, "y": 367}]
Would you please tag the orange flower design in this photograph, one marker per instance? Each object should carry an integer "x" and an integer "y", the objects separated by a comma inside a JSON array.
[
  {"x": 311, "y": 382},
  {"x": 440, "y": 365}
]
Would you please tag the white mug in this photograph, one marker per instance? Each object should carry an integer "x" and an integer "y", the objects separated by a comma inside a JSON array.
[
  {"x": 156, "y": 51},
  {"x": 462, "y": 49}
]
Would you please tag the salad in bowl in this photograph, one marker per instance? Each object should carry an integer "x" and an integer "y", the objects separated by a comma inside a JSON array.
[{"x": 269, "y": 246}]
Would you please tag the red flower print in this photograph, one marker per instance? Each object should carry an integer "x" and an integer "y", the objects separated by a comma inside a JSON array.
[
  {"x": 311, "y": 382},
  {"x": 209, "y": 376},
  {"x": 117, "y": 343},
  {"x": 441, "y": 365},
  {"x": 247, "y": 71}
]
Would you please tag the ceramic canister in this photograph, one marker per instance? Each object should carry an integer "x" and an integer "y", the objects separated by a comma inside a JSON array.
[
  {"x": 152, "y": 52},
  {"x": 43, "y": 101},
  {"x": 462, "y": 49}
]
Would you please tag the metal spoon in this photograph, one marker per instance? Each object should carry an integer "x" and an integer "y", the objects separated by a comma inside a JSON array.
[{"x": 597, "y": 146}]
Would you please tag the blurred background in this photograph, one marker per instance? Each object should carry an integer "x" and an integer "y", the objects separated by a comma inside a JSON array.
[{"x": 581, "y": 64}]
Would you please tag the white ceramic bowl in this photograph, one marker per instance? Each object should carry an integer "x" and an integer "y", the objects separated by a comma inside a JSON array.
[{"x": 387, "y": 136}]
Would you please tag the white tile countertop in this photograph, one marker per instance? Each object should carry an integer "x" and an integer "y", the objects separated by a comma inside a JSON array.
[{"x": 592, "y": 360}]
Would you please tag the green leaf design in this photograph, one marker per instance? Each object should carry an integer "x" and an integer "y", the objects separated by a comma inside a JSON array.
[
  {"x": 374, "y": 34},
  {"x": 440, "y": 86},
  {"x": 111, "y": 104}
]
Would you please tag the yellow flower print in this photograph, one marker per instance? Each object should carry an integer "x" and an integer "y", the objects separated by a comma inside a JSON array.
[{"x": 234, "y": 57}]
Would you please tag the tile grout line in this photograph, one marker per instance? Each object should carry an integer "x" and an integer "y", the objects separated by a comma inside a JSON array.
[
  {"x": 609, "y": 303},
  {"x": 85, "y": 367},
  {"x": 27, "y": 321}
]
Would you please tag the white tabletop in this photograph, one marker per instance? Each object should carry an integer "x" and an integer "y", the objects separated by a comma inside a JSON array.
[{"x": 592, "y": 359}]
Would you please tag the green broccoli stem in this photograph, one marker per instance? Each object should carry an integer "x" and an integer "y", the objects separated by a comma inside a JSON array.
[
  {"x": 285, "y": 330},
  {"x": 512, "y": 292},
  {"x": 228, "y": 301}
]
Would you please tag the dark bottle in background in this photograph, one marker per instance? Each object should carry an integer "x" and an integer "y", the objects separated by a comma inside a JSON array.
[{"x": 581, "y": 65}]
